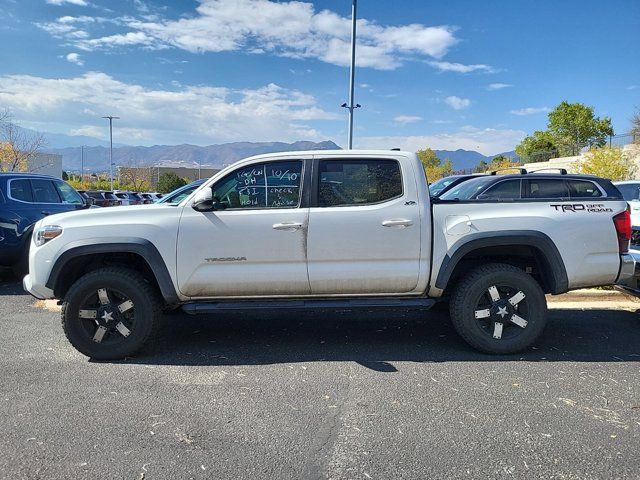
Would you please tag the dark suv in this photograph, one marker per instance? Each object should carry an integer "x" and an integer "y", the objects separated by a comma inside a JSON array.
[{"x": 25, "y": 198}]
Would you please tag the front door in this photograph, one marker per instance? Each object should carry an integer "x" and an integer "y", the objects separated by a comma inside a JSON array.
[
  {"x": 256, "y": 245},
  {"x": 364, "y": 228}
]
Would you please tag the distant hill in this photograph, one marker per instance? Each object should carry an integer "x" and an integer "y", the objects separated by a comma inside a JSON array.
[
  {"x": 468, "y": 159},
  {"x": 96, "y": 153},
  {"x": 96, "y": 158}
]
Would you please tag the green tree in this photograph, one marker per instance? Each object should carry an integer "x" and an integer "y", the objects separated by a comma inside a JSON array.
[
  {"x": 65, "y": 176},
  {"x": 538, "y": 147},
  {"x": 428, "y": 158},
  {"x": 502, "y": 162},
  {"x": 433, "y": 166},
  {"x": 169, "y": 181},
  {"x": 481, "y": 167},
  {"x": 574, "y": 126},
  {"x": 635, "y": 126},
  {"x": 607, "y": 162}
]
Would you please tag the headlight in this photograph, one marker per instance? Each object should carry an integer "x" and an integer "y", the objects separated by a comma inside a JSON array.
[{"x": 46, "y": 233}]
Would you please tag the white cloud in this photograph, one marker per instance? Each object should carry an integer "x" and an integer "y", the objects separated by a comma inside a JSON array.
[
  {"x": 188, "y": 113},
  {"x": 461, "y": 68},
  {"x": 530, "y": 110},
  {"x": 457, "y": 103},
  {"x": 633, "y": 87},
  {"x": 89, "y": 131},
  {"x": 404, "y": 119},
  {"x": 487, "y": 141},
  {"x": 289, "y": 29},
  {"x": 498, "y": 86},
  {"x": 74, "y": 58},
  {"x": 81, "y": 3}
]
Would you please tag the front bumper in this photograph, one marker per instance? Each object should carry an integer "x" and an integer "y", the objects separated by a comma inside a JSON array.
[{"x": 40, "y": 292}]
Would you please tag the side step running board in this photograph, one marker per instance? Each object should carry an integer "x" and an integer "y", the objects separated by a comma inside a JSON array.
[{"x": 372, "y": 302}]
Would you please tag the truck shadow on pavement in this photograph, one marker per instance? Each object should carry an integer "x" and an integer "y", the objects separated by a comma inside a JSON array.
[{"x": 378, "y": 339}]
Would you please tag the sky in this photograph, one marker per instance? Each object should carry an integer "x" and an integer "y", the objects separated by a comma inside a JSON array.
[{"x": 477, "y": 75}]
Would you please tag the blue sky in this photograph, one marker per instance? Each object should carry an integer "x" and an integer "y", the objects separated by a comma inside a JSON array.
[{"x": 455, "y": 74}]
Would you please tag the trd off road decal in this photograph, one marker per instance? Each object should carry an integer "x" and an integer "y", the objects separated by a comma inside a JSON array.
[{"x": 581, "y": 207}]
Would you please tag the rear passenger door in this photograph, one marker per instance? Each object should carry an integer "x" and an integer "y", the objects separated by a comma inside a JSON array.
[{"x": 364, "y": 227}]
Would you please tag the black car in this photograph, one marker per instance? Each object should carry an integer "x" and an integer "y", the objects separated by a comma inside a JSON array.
[
  {"x": 25, "y": 198},
  {"x": 439, "y": 187},
  {"x": 531, "y": 186}
]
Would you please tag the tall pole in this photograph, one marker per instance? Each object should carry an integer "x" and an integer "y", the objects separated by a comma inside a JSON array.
[
  {"x": 352, "y": 71},
  {"x": 111, "y": 117},
  {"x": 81, "y": 163}
]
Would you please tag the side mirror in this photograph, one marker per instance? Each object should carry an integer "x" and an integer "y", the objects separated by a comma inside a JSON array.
[{"x": 203, "y": 201}]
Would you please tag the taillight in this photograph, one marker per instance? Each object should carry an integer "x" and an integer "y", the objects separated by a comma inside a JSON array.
[{"x": 622, "y": 221}]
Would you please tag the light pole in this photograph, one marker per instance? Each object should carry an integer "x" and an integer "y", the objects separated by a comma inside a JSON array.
[
  {"x": 81, "y": 164},
  {"x": 352, "y": 73},
  {"x": 111, "y": 117}
]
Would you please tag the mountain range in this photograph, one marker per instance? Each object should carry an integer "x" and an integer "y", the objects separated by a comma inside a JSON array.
[{"x": 96, "y": 153}]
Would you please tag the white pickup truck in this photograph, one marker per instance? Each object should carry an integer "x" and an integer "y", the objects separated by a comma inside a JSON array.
[{"x": 325, "y": 229}]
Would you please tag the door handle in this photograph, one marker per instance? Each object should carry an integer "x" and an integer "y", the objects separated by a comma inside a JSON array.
[
  {"x": 287, "y": 226},
  {"x": 397, "y": 223},
  {"x": 45, "y": 213}
]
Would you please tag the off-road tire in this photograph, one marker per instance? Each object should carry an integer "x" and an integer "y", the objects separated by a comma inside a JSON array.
[
  {"x": 146, "y": 302},
  {"x": 471, "y": 287}
]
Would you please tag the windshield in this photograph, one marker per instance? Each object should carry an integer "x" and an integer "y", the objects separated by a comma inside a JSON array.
[
  {"x": 467, "y": 190},
  {"x": 178, "y": 194},
  {"x": 630, "y": 191},
  {"x": 436, "y": 187}
]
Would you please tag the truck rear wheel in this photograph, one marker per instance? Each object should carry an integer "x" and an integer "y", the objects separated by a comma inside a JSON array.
[
  {"x": 110, "y": 313},
  {"x": 498, "y": 308}
]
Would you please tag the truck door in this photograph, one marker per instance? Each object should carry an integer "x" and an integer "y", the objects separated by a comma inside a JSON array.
[
  {"x": 254, "y": 246},
  {"x": 364, "y": 227}
]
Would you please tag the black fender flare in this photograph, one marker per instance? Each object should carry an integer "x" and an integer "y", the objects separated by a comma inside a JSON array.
[
  {"x": 140, "y": 246},
  {"x": 550, "y": 256}
]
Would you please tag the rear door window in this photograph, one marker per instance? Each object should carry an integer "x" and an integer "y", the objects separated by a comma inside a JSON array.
[
  {"x": 358, "y": 182},
  {"x": 44, "y": 191},
  {"x": 548, "y": 188},
  {"x": 21, "y": 190}
]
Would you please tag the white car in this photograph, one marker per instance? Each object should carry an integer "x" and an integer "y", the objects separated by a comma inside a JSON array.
[
  {"x": 630, "y": 190},
  {"x": 334, "y": 228}
]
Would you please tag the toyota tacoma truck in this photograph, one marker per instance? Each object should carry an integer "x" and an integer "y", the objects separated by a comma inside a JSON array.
[{"x": 326, "y": 229}]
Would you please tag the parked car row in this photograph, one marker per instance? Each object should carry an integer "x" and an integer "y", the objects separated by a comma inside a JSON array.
[{"x": 103, "y": 198}]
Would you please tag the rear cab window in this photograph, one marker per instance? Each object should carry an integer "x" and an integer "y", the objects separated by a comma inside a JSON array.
[{"x": 348, "y": 182}]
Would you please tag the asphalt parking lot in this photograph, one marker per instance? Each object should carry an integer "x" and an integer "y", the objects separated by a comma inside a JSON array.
[{"x": 321, "y": 395}]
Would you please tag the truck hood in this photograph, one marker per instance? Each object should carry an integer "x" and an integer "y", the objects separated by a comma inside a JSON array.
[{"x": 108, "y": 215}]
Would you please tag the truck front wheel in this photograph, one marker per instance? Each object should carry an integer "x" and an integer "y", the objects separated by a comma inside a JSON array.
[
  {"x": 110, "y": 313},
  {"x": 498, "y": 308}
]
